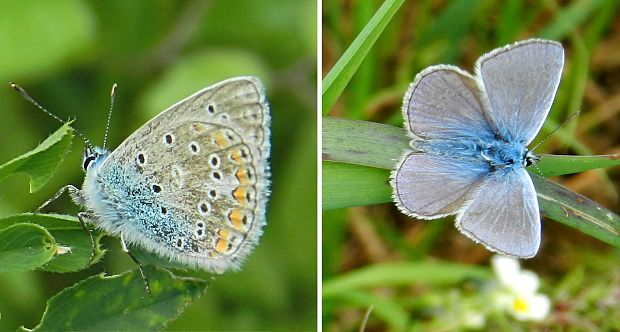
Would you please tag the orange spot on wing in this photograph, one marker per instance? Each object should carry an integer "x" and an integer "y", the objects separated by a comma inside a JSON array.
[
  {"x": 242, "y": 176},
  {"x": 220, "y": 139},
  {"x": 240, "y": 195},
  {"x": 221, "y": 245},
  {"x": 236, "y": 219},
  {"x": 235, "y": 155}
]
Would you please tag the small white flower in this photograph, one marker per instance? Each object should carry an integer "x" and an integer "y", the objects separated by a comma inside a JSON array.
[
  {"x": 519, "y": 294},
  {"x": 533, "y": 307}
]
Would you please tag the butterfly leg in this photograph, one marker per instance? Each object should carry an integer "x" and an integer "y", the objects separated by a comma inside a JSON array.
[
  {"x": 82, "y": 217},
  {"x": 126, "y": 249},
  {"x": 72, "y": 190}
]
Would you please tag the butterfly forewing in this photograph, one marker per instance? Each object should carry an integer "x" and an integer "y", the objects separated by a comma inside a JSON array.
[
  {"x": 445, "y": 102},
  {"x": 520, "y": 81}
]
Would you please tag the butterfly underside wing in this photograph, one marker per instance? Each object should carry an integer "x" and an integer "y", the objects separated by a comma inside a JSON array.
[
  {"x": 191, "y": 184},
  {"x": 469, "y": 147}
]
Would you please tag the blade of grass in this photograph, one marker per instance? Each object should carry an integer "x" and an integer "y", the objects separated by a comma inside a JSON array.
[
  {"x": 346, "y": 185},
  {"x": 402, "y": 274},
  {"x": 339, "y": 76},
  {"x": 362, "y": 142}
]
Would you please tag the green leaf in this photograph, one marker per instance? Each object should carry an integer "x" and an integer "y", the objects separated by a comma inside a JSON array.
[
  {"x": 24, "y": 247},
  {"x": 68, "y": 233},
  {"x": 121, "y": 303},
  {"x": 346, "y": 187},
  {"x": 41, "y": 163},
  {"x": 340, "y": 75}
]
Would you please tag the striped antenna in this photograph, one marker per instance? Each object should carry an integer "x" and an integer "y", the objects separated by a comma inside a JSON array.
[
  {"x": 107, "y": 125},
  {"x": 26, "y": 96},
  {"x": 556, "y": 129}
]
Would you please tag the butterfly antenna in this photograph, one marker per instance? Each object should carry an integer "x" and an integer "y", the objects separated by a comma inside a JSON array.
[
  {"x": 26, "y": 96},
  {"x": 107, "y": 125},
  {"x": 556, "y": 129}
]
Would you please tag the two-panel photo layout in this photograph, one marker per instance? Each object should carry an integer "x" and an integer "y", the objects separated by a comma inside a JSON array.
[{"x": 340, "y": 165}]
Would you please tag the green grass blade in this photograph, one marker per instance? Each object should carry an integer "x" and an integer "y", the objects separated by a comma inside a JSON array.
[
  {"x": 346, "y": 185},
  {"x": 24, "y": 247},
  {"x": 577, "y": 211},
  {"x": 41, "y": 163},
  {"x": 402, "y": 274},
  {"x": 121, "y": 303},
  {"x": 339, "y": 76},
  {"x": 362, "y": 142},
  {"x": 554, "y": 165}
]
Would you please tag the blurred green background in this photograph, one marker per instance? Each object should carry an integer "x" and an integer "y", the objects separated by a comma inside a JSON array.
[
  {"x": 68, "y": 53},
  {"x": 579, "y": 273}
]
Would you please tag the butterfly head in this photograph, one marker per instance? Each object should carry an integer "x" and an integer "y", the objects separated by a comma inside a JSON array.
[
  {"x": 530, "y": 158},
  {"x": 93, "y": 156}
]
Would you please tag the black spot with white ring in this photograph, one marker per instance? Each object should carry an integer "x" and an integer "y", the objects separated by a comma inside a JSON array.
[
  {"x": 169, "y": 139},
  {"x": 214, "y": 160},
  {"x": 194, "y": 148},
  {"x": 203, "y": 208},
  {"x": 141, "y": 159}
]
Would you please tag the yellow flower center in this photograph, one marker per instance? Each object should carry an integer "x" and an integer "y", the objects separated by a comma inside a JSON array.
[{"x": 520, "y": 305}]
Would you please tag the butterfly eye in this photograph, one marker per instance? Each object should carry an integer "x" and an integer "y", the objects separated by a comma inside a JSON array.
[{"x": 88, "y": 160}]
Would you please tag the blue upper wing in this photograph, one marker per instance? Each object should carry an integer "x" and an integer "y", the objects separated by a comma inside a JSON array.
[
  {"x": 520, "y": 81},
  {"x": 445, "y": 102}
]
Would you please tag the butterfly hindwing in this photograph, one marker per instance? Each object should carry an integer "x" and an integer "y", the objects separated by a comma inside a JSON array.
[{"x": 206, "y": 157}]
